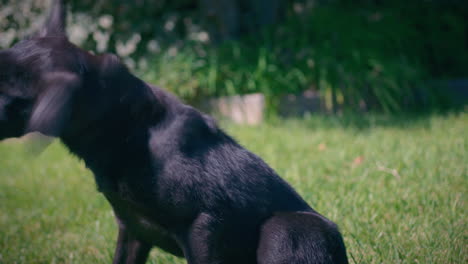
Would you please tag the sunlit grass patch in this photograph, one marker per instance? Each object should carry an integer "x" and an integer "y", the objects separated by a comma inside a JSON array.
[{"x": 397, "y": 192}]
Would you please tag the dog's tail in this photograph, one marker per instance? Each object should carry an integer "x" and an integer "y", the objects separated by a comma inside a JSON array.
[
  {"x": 56, "y": 21},
  {"x": 300, "y": 238}
]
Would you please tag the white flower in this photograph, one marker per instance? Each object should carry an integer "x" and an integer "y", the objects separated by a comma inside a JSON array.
[{"x": 106, "y": 21}]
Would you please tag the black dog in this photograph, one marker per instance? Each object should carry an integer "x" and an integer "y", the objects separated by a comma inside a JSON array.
[{"x": 174, "y": 179}]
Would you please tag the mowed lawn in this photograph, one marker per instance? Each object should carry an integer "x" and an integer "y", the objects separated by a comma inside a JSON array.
[{"x": 397, "y": 189}]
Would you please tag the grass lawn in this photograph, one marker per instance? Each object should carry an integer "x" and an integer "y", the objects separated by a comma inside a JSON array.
[{"x": 397, "y": 189}]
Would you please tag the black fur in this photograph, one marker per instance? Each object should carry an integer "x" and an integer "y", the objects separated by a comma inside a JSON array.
[{"x": 174, "y": 179}]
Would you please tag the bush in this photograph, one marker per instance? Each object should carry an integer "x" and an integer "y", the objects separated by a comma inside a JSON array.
[
  {"x": 375, "y": 55},
  {"x": 357, "y": 56}
]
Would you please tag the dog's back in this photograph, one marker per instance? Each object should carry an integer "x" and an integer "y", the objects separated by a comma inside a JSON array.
[{"x": 259, "y": 215}]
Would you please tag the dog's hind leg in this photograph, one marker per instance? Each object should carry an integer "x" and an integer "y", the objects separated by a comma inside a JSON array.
[
  {"x": 219, "y": 240},
  {"x": 130, "y": 250},
  {"x": 300, "y": 238}
]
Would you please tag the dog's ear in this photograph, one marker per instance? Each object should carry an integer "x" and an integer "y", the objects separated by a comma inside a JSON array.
[
  {"x": 56, "y": 21},
  {"x": 54, "y": 104}
]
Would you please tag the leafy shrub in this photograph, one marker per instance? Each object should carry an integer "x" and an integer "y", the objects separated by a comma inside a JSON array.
[
  {"x": 357, "y": 56},
  {"x": 367, "y": 54}
]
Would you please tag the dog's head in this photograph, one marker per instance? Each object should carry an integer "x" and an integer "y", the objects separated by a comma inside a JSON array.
[
  {"x": 38, "y": 77},
  {"x": 41, "y": 76}
]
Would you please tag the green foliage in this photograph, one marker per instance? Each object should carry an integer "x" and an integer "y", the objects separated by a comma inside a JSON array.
[
  {"x": 357, "y": 56},
  {"x": 376, "y": 55},
  {"x": 397, "y": 189}
]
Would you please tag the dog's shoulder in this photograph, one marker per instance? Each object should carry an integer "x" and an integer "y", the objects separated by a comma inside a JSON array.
[
  {"x": 186, "y": 130},
  {"x": 195, "y": 121}
]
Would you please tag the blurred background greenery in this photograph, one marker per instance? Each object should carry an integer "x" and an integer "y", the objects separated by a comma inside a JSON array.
[{"x": 371, "y": 55}]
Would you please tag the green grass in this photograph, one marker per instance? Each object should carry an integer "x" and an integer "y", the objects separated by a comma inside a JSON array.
[{"x": 398, "y": 191}]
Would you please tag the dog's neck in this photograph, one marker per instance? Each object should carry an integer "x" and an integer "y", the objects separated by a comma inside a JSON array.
[{"x": 121, "y": 124}]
